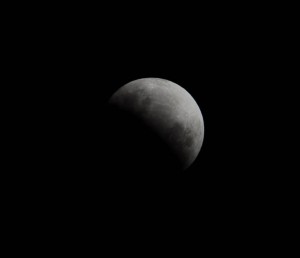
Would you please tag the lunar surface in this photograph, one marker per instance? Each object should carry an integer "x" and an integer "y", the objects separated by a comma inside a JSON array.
[{"x": 169, "y": 111}]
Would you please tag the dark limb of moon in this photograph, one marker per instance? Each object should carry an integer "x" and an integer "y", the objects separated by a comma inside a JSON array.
[{"x": 139, "y": 154}]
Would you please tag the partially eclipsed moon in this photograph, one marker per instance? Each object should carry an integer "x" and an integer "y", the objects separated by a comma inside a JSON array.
[{"x": 169, "y": 110}]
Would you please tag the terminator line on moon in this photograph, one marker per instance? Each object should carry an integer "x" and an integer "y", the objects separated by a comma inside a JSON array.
[{"x": 169, "y": 110}]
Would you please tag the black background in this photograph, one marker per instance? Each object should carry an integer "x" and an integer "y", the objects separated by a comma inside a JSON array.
[{"x": 74, "y": 63}]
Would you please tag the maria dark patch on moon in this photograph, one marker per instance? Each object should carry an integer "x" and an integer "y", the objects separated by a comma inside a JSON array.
[
  {"x": 175, "y": 135},
  {"x": 146, "y": 101}
]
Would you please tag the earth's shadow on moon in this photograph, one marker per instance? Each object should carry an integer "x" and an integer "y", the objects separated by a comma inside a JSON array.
[{"x": 136, "y": 156}]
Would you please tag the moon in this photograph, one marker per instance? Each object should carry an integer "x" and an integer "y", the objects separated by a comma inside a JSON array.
[{"x": 169, "y": 111}]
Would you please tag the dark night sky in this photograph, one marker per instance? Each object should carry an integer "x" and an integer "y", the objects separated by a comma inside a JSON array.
[
  {"x": 218, "y": 66},
  {"x": 215, "y": 62},
  {"x": 222, "y": 60}
]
